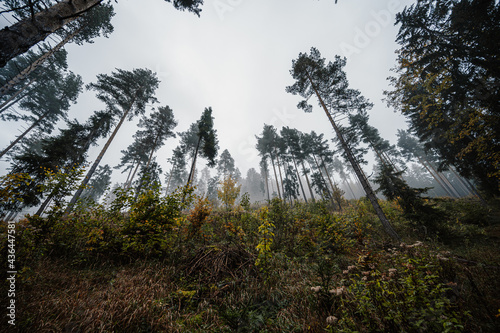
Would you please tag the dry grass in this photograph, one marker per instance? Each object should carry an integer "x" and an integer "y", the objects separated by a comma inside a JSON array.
[{"x": 136, "y": 298}]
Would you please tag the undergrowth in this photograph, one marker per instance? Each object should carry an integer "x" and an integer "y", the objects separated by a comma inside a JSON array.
[{"x": 177, "y": 264}]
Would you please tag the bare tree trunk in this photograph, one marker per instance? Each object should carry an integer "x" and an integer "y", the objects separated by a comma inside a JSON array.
[
  {"x": 147, "y": 166},
  {"x": 129, "y": 184},
  {"x": 130, "y": 172},
  {"x": 359, "y": 172},
  {"x": 276, "y": 177},
  {"x": 298, "y": 176},
  {"x": 85, "y": 181},
  {"x": 281, "y": 178},
  {"x": 168, "y": 182},
  {"x": 449, "y": 184},
  {"x": 470, "y": 188},
  {"x": 350, "y": 188},
  {"x": 307, "y": 180},
  {"x": 191, "y": 173},
  {"x": 439, "y": 181},
  {"x": 45, "y": 204},
  {"x": 267, "y": 186},
  {"x": 330, "y": 193},
  {"x": 272, "y": 186},
  {"x": 21, "y": 36},
  {"x": 5, "y": 105},
  {"x": 327, "y": 173},
  {"x": 28, "y": 70},
  {"x": 20, "y": 137},
  {"x": 450, "y": 189}
]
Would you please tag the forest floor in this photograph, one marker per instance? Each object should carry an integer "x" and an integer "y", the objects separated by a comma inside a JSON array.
[{"x": 266, "y": 268}]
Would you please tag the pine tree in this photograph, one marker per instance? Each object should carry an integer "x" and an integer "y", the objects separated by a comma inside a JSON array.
[
  {"x": 132, "y": 158},
  {"x": 90, "y": 25},
  {"x": 329, "y": 83},
  {"x": 39, "y": 23},
  {"x": 225, "y": 165},
  {"x": 410, "y": 199},
  {"x": 292, "y": 139},
  {"x": 61, "y": 153},
  {"x": 267, "y": 145},
  {"x": 99, "y": 183},
  {"x": 157, "y": 128},
  {"x": 48, "y": 103},
  {"x": 447, "y": 83},
  {"x": 38, "y": 76},
  {"x": 253, "y": 184},
  {"x": 178, "y": 174},
  {"x": 205, "y": 136},
  {"x": 125, "y": 94}
]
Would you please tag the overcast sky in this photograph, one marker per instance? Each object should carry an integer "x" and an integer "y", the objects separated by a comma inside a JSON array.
[{"x": 236, "y": 58}]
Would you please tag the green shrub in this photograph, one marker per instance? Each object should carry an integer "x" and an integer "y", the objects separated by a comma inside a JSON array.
[
  {"x": 149, "y": 231},
  {"x": 409, "y": 296}
]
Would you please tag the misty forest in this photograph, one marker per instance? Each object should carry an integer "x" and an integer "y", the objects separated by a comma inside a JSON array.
[{"x": 339, "y": 227}]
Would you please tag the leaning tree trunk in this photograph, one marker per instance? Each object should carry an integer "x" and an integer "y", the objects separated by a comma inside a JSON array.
[
  {"x": 281, "y": 177},
  {"x": 169, "y": 178},
  {"x": 468, "y": 186},
  {"x": 267, "y": 186},
  {"x": 193, "y": 165},
  {"x": 28, "y": 70},
  {"x": 330, "y": 181},
  {"x": 275, "y": 176},
  {"x": 307, "y": 180},
  {"x": 20, "y": 137},
  {"x": 5, "y": 105},
  {"x": 91, "y": 171},
  {"x": 330, "y": 193},
  {"x": 359, "y": 172},
  {"x": 129, "y": 182},
  {"x": 130, "y": 172},
  {"x": 298, "y": 176},
  {"x": 446, "y": 181},
  {"x": 21, "y": 36},
  {"x": 147, "y": 167},
  {"x": 45, "y": 204},
  {"x": 327, "y": 173},
  {"x": 422, "y": 162}
]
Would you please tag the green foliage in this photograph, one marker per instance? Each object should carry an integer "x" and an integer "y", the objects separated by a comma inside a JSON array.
[
  {"x": 153, "y": 218},
  {"x": 415, "y": 207},
  {"x": 266, "y": 231},
  {"x": 9, "y": 190},
  {"x": 61, "y": 183},
  {"x": 447, "y": 83},
  {"x": 228, "y": 191},
  {"x": 201, "y": 269},
  {"x": 410, "y": 295},
  {"x": 245, "y": 201}
]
